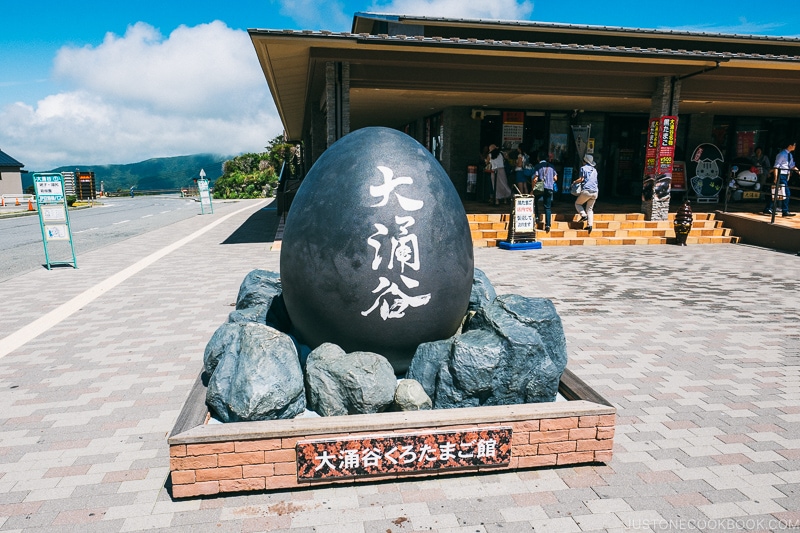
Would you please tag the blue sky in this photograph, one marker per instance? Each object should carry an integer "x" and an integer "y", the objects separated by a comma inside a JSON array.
[{"x": 90, "y": 82}]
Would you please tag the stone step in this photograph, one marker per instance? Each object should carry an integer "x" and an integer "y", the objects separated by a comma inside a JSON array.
[
  {"x": 609, "y": 229},
  {"x": 618, "y": 241}
]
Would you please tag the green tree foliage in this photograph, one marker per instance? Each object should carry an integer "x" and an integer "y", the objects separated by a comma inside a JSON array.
[{"x": 255, "y": 175}]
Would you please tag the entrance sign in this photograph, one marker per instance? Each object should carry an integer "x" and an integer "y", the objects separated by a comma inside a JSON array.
[
  {"x": 53, "y": 214},
  {"x": 371, "y": 455}
]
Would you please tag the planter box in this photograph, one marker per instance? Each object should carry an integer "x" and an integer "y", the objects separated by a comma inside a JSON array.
[{"x": 210, "y": 459}]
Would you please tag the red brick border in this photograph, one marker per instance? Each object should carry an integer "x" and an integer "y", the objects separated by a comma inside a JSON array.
[{"x": 207, "y": 459}]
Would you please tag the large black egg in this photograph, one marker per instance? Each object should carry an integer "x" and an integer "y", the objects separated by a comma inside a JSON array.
[{"x": 376, "y": 253}]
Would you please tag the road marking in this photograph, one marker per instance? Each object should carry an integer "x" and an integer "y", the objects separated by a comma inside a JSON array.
[
  {"x": 121, "y": 222},
  {"x": 85, "y": 230},
  {"x": 27, "y": 333},
  {"x": 146, "y": 216},
  {"x": 162, "y": 212}
]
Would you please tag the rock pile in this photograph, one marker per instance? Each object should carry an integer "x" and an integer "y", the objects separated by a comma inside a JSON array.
[{"x": 509, "y": 350}]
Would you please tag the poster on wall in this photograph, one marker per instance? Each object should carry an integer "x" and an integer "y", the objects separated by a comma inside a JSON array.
[
  {"x": 679, "y": 176},
  {"x": 558, "y": 147},
  {"x": 745, "y": 143},
  {"x": 703, "y": 167},
  {"x": 513, "y": 128}
]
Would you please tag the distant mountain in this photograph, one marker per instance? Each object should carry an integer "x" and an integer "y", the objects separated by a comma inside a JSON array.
[{"x": 157, "y": 173}]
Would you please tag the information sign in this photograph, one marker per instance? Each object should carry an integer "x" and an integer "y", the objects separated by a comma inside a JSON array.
[
  {"x": 205, "y": 196},
  {"x": 53, "y": 215},
  {"x": 523, "y": 224}
]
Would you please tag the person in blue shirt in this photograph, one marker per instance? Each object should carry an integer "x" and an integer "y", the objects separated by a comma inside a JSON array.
[
  {"x": 547, "y": 173},
  {"x": 584, "y": 203},
  {"x": 784, "y": 166}
]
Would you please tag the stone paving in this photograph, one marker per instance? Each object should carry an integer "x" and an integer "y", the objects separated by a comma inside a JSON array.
[{"x": 697, "y": 347}]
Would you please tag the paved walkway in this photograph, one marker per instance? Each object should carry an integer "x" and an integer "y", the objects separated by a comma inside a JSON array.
[{"x": 698, "y": 347}]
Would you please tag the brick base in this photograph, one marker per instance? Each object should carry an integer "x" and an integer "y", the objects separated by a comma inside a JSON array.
[{"x": 210, "y": 459}]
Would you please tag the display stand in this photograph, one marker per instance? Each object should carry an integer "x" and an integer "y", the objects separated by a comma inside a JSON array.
[{"x": 522, "y": 226}]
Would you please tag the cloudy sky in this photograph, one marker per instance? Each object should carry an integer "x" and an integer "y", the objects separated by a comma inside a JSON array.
[{"x": 90, "y": 82}]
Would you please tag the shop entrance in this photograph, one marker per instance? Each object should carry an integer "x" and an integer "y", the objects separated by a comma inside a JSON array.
[{"x": 627, "y": 137}]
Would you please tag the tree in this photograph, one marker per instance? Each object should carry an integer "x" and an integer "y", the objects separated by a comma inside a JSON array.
[{"x": 254, "y": 175}]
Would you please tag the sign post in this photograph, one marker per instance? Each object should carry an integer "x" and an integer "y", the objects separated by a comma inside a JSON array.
[
  {"x": 53, "y": 214},
  {"x": 205, "y": 194},
  {"x": 522, "y": 225}
]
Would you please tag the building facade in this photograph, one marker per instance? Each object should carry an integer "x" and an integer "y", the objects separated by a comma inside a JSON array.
[
  {"x": 458, "y": 86},
  {"x": 10, "y": 174}
]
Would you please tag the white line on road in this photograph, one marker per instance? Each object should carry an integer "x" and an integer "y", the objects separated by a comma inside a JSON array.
[
  {"x": 121, "y": 222},
  {"x": 146, "y": 216},
  {"x": 85, "y": 230},
  {"x": 27, "y": 333}
]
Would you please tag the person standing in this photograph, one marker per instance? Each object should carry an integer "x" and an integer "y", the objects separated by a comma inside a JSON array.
[
  {"x": 784, "y": 166},
  {"x": 584, "y": 203},
  {"x": 546, "y": 172},
  {"x": 520, "y": 179},
  {"x": 761, "y": 161},
  {"x": 499, "y": 180}
]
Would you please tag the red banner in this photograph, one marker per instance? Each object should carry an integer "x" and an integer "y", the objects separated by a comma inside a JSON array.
[
  {"x": 651, "y": 152},
  {"x": 666, "y": 147}
]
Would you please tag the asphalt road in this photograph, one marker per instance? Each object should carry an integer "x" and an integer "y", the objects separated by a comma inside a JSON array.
[{"x": 107, "y": 222}]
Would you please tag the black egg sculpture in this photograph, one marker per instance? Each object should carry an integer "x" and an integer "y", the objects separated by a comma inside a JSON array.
[{"x": 377, "y": 252}]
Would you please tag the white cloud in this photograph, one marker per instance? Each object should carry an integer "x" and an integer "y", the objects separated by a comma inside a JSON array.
[
  {"x": 200, "y": 90},
  {"x": 496, "y": 9}
]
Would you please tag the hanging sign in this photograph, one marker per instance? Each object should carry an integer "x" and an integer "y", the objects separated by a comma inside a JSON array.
[
  {"x": 581, "y": 135},
  {"x": 513, "y": 128}
]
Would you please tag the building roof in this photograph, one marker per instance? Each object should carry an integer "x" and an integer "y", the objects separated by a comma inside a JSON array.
[
  {"x": 8, "y": 161},
  {"x": 405, "y": 67}
]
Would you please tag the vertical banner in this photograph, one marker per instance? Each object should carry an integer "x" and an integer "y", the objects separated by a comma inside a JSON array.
[
  {"x": 650, "y": 160},
  {"x": 581, "y": 134},
  {"x": 513, "y": 127},
  {"x": 666, "y": 155}
]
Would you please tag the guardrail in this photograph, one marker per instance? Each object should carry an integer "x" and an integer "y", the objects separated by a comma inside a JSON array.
[{"x": 16, "y": 199}]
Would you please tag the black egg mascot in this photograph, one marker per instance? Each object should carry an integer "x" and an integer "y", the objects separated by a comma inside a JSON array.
[{"x": 376, "y": 253}]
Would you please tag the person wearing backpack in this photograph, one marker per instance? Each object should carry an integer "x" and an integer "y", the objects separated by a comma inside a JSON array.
[
  {"x": 584, "y": 203},
  {"x": 544, "y": 180}
]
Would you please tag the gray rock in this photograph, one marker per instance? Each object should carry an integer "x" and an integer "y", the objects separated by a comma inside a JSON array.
[
  {"x": 257, "y": 313},
  {"x": 224, "y": 340},
  {"x": 410, "y": 396},
  {"x": 261, "y": 380},
  {"x": 261, "y": 290},
  {"x": 483, "y": 293},
  {"x": 427, "y": 362},
  {"x": 513, "y": 351},
  {"x": 339, "y": 383},
  {"x": 258, "y": 287}
]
